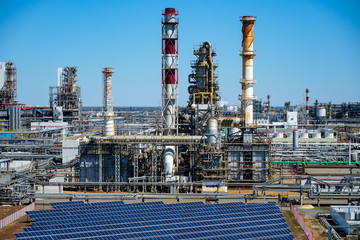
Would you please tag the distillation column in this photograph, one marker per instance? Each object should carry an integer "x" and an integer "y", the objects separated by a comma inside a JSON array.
[
  {"x": 248, "y": 53},
  {"x": 108, "y": 109},
  {"x": 169, "y": 83}
]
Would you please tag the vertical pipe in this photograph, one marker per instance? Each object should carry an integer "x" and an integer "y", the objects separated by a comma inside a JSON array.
[
  {"x": 307, "y": 107},
  {"x": 108, "y": 108},
  {"x": 59, "y": 76},
  {"x": 247, "y": 83},
  {"x": 295, "y": 140},
  {"x": 350, "y": 152}
]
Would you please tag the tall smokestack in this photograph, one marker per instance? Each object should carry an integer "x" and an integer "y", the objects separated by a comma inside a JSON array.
[
  {"x": 169, "y": 71},
  {"x": 248, "y": 53},
  {"x": 108, "y": 109},
  {"x": 169, "y": 83}
]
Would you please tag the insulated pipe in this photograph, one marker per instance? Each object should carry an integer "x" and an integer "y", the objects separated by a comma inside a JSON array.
[
  {"x": 169, "y": 160},
  {"x": 108, "y": 108},
  {"x": 247, "y": 83},
  {"x": 295, "y": 140}
]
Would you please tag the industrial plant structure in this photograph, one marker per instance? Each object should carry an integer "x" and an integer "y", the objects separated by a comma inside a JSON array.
[{"x": 202, "y": 147}]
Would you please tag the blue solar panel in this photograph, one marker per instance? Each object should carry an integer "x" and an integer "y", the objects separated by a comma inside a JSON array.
[{"x": 156, "y": 220}]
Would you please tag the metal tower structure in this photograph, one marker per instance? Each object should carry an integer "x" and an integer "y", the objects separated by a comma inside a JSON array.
[
  {"x": 8, "y": 92},
  {"x": 170, "y": 72},
  {"x": 248, "y": 53},
  {"x": 203, "y": 89},
  {"x": 66, "y": 94},
  {"x": 108, "y": 108}
]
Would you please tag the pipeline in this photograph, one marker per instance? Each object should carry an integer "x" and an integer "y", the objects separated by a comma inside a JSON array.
[{"x": 293, "y": 162}]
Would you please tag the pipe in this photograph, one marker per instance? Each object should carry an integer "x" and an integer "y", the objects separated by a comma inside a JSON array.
[
  {"x": 307, "y": 107},
  {"x": 148, "y": 138},
  {"x": 295, "y": 140},
  {"x": 294, "y": 162},
  {"x": 169, "y": 160}
]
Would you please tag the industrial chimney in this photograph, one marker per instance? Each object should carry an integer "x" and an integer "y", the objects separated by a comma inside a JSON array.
[
  {"x": 248, "y": 53},
  {"x": 169, "y": 83},
  {"x": 169, "y": 71},
  {"x": 108, "y": 103}
]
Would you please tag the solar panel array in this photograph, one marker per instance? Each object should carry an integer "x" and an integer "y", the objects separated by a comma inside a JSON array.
[{"x": 156, "y": 220}]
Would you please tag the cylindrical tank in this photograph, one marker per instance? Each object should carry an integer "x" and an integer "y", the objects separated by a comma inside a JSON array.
[
  {"x": 321, "y": 112},
  {"x": 288, "y": 135},
  {"x": 329, "y": 135},
  {"x": 169, "y": 160},
  {"x": 212, "y": 130},
  {"x": 279, "y": 135},
  {"x": 295, "y": 140},
  {"x": 304, "y": 135},
  {"x": 234, "y": 131},
  {"x": 316, "y": 135}
]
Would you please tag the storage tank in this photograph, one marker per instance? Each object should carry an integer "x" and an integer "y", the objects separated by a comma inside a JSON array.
[
  {"x": 316, "y": 135},
  {"x": 288, "y": 135},
  {"x": 329, "y": 135},
  {"x": 304, "y": 135},
  {"x": 234, "y": 131},
  {"x": 212, "y": 130},
  {"x": 321, "y": 112},
  {"x": 279, "y": 135}
]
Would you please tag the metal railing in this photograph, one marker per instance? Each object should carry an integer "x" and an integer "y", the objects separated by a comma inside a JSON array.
[
  {"x": 301, "y": 223},
  {"x": 16, "y": 215}
]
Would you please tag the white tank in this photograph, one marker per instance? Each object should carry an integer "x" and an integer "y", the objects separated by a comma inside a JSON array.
[
  {"x": 234, "y": 131},
  {"x": 169, "y": 160},
  {"x": 304, "y": 135},
  {"x": 329, "y": 135},
  {"x": 279, "y": 135},
  {"x": 321, "y": 112},
  {"x": 212, "y": 130},
  {"x": 288, "y": 135},
  {"x": 316, "y": 135}
]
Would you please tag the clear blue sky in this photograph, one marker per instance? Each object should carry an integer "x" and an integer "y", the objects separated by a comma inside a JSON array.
[{"x": 300, "y": 44}]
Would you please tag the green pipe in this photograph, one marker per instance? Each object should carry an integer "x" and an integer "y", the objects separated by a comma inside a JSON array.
[{"x": 309, "y": 162}]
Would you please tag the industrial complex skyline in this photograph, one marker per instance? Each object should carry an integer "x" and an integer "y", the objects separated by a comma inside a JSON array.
[{"x": 307, "y": 44}]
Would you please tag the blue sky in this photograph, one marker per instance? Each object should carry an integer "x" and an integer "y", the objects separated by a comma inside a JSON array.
[{"x": 300, "y": 44}]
